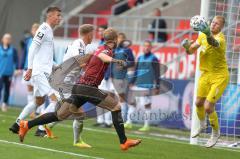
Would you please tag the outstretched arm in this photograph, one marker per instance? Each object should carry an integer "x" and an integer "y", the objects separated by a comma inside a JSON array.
[
  {"x": 190, "y": 46},
  {"x": 108, "y": 59},
  {"x": 205, "y": 29}
]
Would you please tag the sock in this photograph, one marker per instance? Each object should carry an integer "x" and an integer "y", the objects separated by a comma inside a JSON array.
[
  {"x": 30, "y": 97},
  {"x": 119, "y": 126},
  {"x": 100, "y": 115},
  {"x": 213, "y": 119},
  {"x": 124, "y": 110},
  {"x": 108, "y": 118},
  {"x": 201, "y": 113},
  {"x": 43, "y": 119},
  {"x": 40, "y": 109},
  {"x": 27, "y": 110},
  {"x": 51, "y": 125},
  {"x": 50, "y": 107},
  {"x": 147, "y": 119},
  {"x": 40, "y": 127},
  {"x": 131, "y": 110},
  {"x": 43, "y": 109},
  {"x": 77, "y": 130}
]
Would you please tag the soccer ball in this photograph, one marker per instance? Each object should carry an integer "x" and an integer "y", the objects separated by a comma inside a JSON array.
[{"x": 198, "y": 23}]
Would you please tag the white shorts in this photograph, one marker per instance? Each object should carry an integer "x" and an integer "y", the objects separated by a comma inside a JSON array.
[
  {"x": 24, "y": 81},
  {"x": 41, "y": 86},
  {"x": 120, "y": 85},
  {"x": 143, "y": 100},
  {"x": 140, "y": 100},
  {"x": 107, "y": 85}
]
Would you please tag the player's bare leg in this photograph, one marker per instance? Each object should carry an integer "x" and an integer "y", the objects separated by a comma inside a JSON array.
[
  {"x": 50, "y": 108},
  {"x": 40, "y": 132},
  {"x": 30, "y": 93},
  {"x": 131, "y": 109},
  {"x": 123, "y": 102},
  {"x": 146, "y": 126},
  {"x": 213, "y": 119},
  {"x": 78, "y": 115}
]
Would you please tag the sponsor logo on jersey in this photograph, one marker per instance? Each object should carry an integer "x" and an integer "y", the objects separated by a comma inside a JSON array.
[
  {"x": 81, "y": 51},
  {"x": 40, "y": 35}
]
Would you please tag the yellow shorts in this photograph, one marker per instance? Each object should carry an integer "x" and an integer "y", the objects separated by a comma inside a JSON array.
[{"x": 212, "y": 85}]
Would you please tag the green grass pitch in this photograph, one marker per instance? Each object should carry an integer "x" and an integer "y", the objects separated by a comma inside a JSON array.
[{"x": 104, "y": 141}]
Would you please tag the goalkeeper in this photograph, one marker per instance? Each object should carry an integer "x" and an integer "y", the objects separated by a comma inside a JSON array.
[{"x": 214, "y": 74}]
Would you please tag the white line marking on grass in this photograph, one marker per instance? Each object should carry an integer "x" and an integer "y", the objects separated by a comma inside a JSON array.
[
  {"x": 171, "y": 140},
  {"x": 51, "y": 150},
  {"x": 156, "y": 138},
  {"x": 129, "y": 134}
]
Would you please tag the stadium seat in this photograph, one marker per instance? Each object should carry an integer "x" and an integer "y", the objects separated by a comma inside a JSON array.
[{"x": 184, "y": 24}]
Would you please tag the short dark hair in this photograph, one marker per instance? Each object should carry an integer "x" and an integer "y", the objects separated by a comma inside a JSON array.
[{"x": 53, "y": 9}]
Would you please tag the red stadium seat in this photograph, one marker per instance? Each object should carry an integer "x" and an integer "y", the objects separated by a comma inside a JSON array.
[
  {"x": 184, "y": 25},
  {"x": 103, "y": 21}
]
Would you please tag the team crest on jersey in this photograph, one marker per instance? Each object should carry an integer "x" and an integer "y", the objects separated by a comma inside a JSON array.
[{"x": 40, "y": 35}]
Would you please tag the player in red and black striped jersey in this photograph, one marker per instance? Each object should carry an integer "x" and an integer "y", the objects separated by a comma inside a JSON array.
[{"x": 87, "y": 91}]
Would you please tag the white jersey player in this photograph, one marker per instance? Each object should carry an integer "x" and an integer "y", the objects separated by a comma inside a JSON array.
[
  {"x": 78, "y": 47},
  {"x": 40, "y": 63}
]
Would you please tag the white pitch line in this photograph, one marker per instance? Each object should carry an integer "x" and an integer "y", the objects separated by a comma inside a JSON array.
[
  {"x": 171, "y": 140},
  {"x": 51, "y": 150},
  {"x": 143, "y": 137},
  {"x": 157, "y": 138}
]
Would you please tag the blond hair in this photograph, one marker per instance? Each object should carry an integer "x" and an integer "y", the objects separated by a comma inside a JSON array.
[
  {"x": 221, "y": 18},
  {"x": 35, "y": 25},
  {"x": 110, "y": 35},
  {"x": 85, "y": 29}
]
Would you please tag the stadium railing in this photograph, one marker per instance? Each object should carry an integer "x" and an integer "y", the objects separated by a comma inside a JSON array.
[{"x": 137, "y": 32}]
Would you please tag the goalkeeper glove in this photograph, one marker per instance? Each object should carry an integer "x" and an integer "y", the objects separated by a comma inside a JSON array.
[
  {"x": 204, "y": 28},
  {"x": 186, "y": 44}
]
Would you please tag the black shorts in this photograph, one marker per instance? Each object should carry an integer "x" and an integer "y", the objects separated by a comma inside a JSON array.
[{"x": 84, "y": 93}]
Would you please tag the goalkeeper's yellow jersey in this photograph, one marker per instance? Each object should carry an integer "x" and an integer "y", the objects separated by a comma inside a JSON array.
[{"x": 212, "y": 59}]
